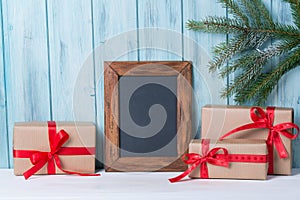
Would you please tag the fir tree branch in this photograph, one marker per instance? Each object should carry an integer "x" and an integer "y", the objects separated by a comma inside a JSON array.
[
  {"x": 295, "y": 7},
  {"x": 225, "y": 52},
  {"x": 256, "y": 57},
  {"x": 265, "y": 83},
  {"x": 244, "y": 61},
  {"x": 242, "y": 81},
  {"x": 234, "y": 9},
  {"x": 265, "y": 13},
  {"x": 213, "y": 24},
  {"x": 252, "y": 27},
  {"x": 229, "y": 26},
  {"x": 283, "y": 31},
  {"x": 251, "y": 11}
]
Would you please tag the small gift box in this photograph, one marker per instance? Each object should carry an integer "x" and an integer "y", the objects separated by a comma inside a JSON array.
[
  {"x": 229, "y": 158},
  {"x": 54, "y": 148},
  {"x": 272, "y": 124}
]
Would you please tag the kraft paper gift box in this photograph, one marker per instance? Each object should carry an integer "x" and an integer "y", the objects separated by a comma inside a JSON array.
[
  {"x": 218, "y": 120},
  {"x": 72, "y": 145},
  {"x": 226, "y": 159}
]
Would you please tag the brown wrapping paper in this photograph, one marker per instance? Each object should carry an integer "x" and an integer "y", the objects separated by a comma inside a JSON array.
[
  {"x": 236, "y": 170},
  {"x": 34, "y": 136},
  {"x": 218, "y": 120}
]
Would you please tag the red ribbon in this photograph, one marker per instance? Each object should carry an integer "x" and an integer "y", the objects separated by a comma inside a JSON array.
[
  {"x": 56, "y": 141},
  {"x": 215, "y": 158},
  {"x": 263, "y": 119},
  {"x": 194, "y": 160}
]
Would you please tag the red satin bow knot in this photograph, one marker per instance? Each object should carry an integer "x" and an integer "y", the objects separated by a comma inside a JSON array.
[
  {"x": 262, "y": 119},
  {"x": 43, "y": 157},
  {"x": 213, "y": 157}
]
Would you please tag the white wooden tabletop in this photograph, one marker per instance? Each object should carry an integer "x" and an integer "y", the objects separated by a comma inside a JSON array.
[{"x": 145, "y": 186}]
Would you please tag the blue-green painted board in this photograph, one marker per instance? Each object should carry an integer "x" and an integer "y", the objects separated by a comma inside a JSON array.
[
  {"x": 26, "y": 62},
  {"x": 115, "y": 38},
  {"x": 3, "y": 128},
  {"x": 70, "y": 44},
  {"x": 59, "y": 37},
  {"x": 197, "y": 48},
  {"x": 165, "y": 18}
]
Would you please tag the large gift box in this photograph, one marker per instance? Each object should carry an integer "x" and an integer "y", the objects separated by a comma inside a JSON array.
[
  {"x": 271, "y": 124},
  {"x": 229, "y": 158},
  {"x": 54, "y": 148}
]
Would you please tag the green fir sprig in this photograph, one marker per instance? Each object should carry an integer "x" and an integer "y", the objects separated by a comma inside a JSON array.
[{"x": 250, "y": 49}]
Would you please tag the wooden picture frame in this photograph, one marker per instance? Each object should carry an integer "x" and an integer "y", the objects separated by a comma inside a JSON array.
[{"x": 182, "y": 70}]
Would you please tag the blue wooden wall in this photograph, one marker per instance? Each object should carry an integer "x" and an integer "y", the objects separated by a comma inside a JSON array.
[{"x": 49, "y": 71}]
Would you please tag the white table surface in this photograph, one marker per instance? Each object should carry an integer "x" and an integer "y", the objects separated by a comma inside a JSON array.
[{"x": 145, "y": 186}]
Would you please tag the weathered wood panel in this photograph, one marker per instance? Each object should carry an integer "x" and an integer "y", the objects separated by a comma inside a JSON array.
[
  {"x": 26, "y": 62},
  {"x": 49, "y": 71},
  {"x": 160, "y": 22},
  {"x": 70, "y": 44},
  {"x": 3, "y": 127},
  {"x": 198, "y": 48}
]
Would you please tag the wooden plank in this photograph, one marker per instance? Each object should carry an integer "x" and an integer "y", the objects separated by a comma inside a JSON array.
[
  {"x": 198, "y": 48},
  {"x": 160, "y": 22},
  {"x": 70, "y": 39},
  {"x": 287, "y": 92},
  {"x": 115, "y": 38},
  {"x": 26, "y": 67},
  {"x": 3, "y": 124}
]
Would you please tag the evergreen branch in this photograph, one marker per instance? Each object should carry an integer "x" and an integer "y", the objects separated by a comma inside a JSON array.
[
  {"x": 225, "y": 52},
  {"x": 242, "y": 81},
  {"x": 255, "y": 40},
  {"x": 224, "y": 25},
  {"x": 266, "y": 82},
  {"x": 284, "y": 31},
  {"x": 213, "y": 24},
  {"x": 233, "y": 8},
  {"x": 244, "y": 61},
  {"x": 295, "y": 7},
  {"x": 252, "y": 26},
  {"x": 265, "y": 13},
  {"x": 253, "y": 13},
  {"x": 256, "y": 57}
]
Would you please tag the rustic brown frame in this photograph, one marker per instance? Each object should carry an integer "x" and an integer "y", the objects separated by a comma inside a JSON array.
[{"x": 114, "y": 70}]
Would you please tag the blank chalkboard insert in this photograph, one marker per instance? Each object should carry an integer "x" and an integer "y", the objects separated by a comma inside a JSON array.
[{"x": 148, "y": 116}]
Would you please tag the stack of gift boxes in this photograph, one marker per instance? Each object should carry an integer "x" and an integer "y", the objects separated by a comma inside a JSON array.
[
  {"x": 236, "y": 142},
  {"x": 242, "y": 143}
]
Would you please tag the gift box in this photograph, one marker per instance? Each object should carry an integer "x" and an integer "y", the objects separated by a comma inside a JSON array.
[
  {"x": 272, "y": 124},
  {"x": 229, "y": 158},
  {"x": 54, "y": 148}
]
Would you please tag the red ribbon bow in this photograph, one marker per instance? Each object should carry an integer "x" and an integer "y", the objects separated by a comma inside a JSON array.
[
  {"x": 213, "y": 157},
  {"x": 263, "y": 119},
  {"x": 56, "y": 140}
]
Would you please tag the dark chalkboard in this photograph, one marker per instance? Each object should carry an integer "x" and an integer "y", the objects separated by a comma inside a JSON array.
[{"x": 148, "y": 116}]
